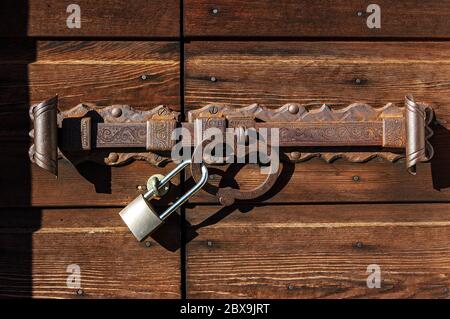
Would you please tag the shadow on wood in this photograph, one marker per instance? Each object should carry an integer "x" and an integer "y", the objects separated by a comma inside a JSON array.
[
  {"x": 228, "y": 180},
  {"x": 97, "y": 174},
  {"x": 16, "y": 258},
  {"x": 16, "y": 225},
  {"x": 440, "y": 163},
  {"x": 168, "y": 235}
]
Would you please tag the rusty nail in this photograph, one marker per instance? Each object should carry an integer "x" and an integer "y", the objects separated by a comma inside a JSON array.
[
  {"x": 226, "y": 200},
  {"x": 213, "y": 110},
  {"x": 148, "y": 244},
  {"x": 213, "y": 79},
  {"x": 215, "y": 11},
  {"x": 356, "y": 178},
  {"x": 293, "y": 109},
  {"x": 163, "y": 111},
  {"x": 209, "y": 243},
  {"x": 113, "y": 157},
  {"x": 80, "y": 292},
  {"x": 295, "y": 155},
  {"x": 116, "y": 112},
  {"x": 290, "y": 287},
  {"x": 141, "y": 188}
]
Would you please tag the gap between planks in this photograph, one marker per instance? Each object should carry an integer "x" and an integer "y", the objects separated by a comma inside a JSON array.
[
  {"x": 195, "y": 59},
  {"x": 108, "y": 62},
  {"x": 96, "y": 62},
  {"x": 95, "y": 230}
]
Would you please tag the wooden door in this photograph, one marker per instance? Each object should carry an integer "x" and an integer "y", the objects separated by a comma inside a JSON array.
[{"x": 314, "y": 235}]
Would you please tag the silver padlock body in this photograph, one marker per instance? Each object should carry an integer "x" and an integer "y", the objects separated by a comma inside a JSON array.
[{"x": 140, "y": 218}]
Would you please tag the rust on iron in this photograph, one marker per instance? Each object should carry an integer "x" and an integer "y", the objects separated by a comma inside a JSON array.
[
  {"x": 44, "y": 151},
  {"x": 86, "y": 131},
  {"x": 418, "y": 148},
  {"x": 111, "y": 135},
  {"x": 159, "y": 133},
  {"x": 228, "y": 195}
]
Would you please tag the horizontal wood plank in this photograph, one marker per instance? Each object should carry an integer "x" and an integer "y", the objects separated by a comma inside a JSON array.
[
  {"x": 101, "y": 18},
  {"x": 324, "y": 18},
  {"x": 102, "y": 72},
  {"x": 37, "y": 247},
  {"x": 24, "y": 184},
  {"x": 318, "y": 251},
  {"x": 313, "y": 73},
  {"x": 316, "y": 181}
]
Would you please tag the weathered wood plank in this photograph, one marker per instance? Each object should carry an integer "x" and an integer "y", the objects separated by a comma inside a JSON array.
[
  {"x": 102, "y": 72},
  {"x": 313, "y": 73},
  {"x": 318, "y": 251},
  {"x": 38, "y": 246},
  {"x": 101, "y": 18},
  {"x": 24, "y": 184},
  {"x": 324, "y": 18},
  {"x": 317, "y": 181}
]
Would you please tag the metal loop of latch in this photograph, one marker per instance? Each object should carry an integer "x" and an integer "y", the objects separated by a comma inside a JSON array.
[
  {"x": 228, "y": 195},
  {"x": 140, "y": 216}
]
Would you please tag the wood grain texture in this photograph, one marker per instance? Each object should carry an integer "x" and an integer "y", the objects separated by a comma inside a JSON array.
[
  {"x": 312, "y": 73},
  {"x": 319, "y": 251},
  {"x": 317, "y": 181},
  {"x": 323, "y": 18},
  {"x": 38, "y": 246},
  {"x": 24, "y": 184},
  {"x": 99, "y": 18},
  {"x": 104, "y": 72}
]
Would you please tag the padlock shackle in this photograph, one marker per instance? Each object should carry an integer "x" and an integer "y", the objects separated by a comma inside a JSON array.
[
  {"x": 189, "y": 194},
  {"x": 185, "y": 197}
]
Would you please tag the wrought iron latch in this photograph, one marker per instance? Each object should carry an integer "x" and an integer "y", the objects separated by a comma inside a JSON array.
[{"x": 117, "y": 134}]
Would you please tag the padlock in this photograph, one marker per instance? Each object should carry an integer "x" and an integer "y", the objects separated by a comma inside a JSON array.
[{"x": 140, "y": 216}]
